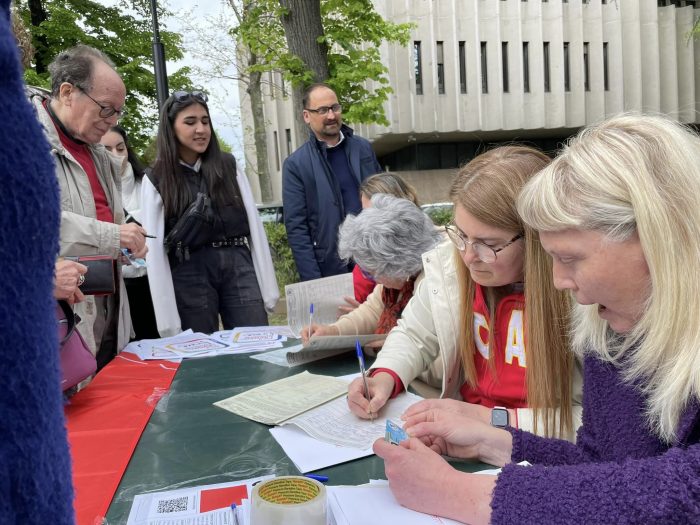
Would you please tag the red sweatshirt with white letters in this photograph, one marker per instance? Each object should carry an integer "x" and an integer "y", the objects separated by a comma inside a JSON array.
[{"x": 502, "y": 384}]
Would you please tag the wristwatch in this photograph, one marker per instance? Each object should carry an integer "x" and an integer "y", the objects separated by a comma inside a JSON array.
[{"x": 500, "y": 417}]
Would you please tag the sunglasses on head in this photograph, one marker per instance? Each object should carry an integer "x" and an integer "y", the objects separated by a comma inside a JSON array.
[{"x": 199, "y": 96}]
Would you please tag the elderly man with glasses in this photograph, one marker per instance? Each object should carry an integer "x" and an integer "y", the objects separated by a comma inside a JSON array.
[
  {"x": 320, "y": 184},
  {"x": 86, "y": 99}
]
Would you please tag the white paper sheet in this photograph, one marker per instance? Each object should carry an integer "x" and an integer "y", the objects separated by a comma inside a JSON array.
[
  {"x": 309, "y": 454},
  {"x": 296, "y": 355},
  {"x": 326, "y": 294},
  {"x": 279, "y": 400},
  {"x": 374, "y": 505},
  {"x": 333, "y": 422}
]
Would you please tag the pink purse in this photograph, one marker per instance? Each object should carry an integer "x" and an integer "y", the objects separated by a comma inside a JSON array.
[{"x": 77, "y": 362}]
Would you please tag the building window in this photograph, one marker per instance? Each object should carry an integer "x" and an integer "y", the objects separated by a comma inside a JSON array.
[
  {"x": 586, "y": 67},
  {"x": 440, "y": 67},
  {"x": 567, "y": 76},
  {"x": 288, "y": 133},
  {"x": 277, "y": 150},
  {"x": 484, "y": 72},
  {"x": 462, "y": 67},
  {"x": 418, "y": 67},
  {"x": 504, "y": 60},
  {"x": 545, "y": 59},
  {"x": 526, "y": 67},
  {"x": 606, "y": 85}
]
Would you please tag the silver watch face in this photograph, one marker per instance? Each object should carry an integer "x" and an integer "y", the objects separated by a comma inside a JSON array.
[{"x": 499, "y": 417}]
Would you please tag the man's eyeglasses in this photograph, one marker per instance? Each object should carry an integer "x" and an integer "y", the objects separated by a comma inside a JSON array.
[
  {"x": 105, "y": 111},
  {"x": 323, "y": 110},
  {"x": 483, "y": 252},
  {"x": 199, "y": 96}
]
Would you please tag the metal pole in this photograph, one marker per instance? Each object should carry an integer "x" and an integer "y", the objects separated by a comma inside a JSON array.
[{"x": 159, "y": 58}]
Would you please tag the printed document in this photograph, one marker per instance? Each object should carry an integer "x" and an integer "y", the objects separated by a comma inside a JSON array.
[
  {"x": 334, "y": 423},
  {"x": 203, "y": 505},
  {"x": 347, "y": 342},
  {"x": 278, "y": 401},
  {"x": 296, "y": 355},
  {"x": 326, "y": 294}
]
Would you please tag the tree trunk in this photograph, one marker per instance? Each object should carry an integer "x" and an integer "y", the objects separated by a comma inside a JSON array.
[
  {"x": 302, "y": 27},
  {"x": 37, "y": 16},
  {"x": 256, "y": 106}
]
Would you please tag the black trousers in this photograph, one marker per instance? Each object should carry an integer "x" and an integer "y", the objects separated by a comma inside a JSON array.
[
  {"x": 143, "y": 317},
  {"x": 218, "y": 281}
]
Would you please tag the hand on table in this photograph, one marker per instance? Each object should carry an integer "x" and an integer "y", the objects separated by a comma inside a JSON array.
[
  {"x": 451, "y": 433},
  {"x": 423, "y": 481}
]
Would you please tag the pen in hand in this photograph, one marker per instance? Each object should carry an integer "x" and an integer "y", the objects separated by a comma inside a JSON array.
[
  {"x": 311, "y": 317},
  {"x": 149, "y": 236},
  {"x": 361, "y": 359}
]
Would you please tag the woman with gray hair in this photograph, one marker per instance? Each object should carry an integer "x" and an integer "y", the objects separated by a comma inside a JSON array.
[{"x": 386, "y": 240}]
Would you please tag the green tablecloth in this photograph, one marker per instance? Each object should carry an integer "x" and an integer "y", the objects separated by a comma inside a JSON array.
[{"x": 190, "y": 442}]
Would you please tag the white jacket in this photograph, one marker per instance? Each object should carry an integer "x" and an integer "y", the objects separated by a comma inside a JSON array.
[
  {"x": 159, "y": 275},
  {"x": 423, "y": 348}
]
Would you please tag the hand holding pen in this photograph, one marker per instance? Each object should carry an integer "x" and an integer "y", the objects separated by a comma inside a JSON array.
[
  {"x": 363, "y": 373},
  {"x": 380, "y": 387}
]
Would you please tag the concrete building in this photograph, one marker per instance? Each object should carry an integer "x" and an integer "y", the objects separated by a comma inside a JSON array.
[{"x": 478, "y": 72}]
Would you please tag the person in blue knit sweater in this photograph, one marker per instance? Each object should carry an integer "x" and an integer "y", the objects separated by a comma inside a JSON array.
[
  {"x": 35, "y": 472},
  {"x": 619, "y": 213}
]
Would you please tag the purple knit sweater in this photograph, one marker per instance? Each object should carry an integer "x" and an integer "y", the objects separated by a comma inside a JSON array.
[{"x": 617, "y": 472}]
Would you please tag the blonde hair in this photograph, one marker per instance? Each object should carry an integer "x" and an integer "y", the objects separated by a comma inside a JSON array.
[
  {"x": 487, "y": 188},
  {"x": 389, "y": 183},
  {"x": 635, "y": 173}
]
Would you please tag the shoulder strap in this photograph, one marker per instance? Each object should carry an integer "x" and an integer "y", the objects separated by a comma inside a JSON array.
[
  {"x": 70, "y": 320},
  {"x": 148, "y": 172}
]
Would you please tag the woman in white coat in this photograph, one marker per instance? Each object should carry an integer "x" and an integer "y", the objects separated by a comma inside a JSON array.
[{"x": 224, "y": 269}]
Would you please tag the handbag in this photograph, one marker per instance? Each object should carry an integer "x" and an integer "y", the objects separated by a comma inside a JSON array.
[
  {"x": 185, "y": 234},
  {"x": 99, "y": 279},
  {"x": 77, "y": 361}
]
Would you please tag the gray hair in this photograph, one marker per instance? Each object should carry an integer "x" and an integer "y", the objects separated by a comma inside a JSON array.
[
  {"x": 75, "y": 66},
  {"x": 389, "y": 238}
]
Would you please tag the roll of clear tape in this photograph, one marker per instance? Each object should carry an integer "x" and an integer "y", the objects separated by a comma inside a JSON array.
[{"x": 289, "y": 500}]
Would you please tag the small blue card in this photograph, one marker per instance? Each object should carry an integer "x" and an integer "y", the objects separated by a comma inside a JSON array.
[{"x": 394, "y": 433}]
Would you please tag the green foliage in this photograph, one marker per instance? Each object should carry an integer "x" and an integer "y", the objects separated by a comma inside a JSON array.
[
  {"x": 125, "y": 38},
  {"x": 353, "y": 32},
  {"x": 440, "y": 216},
  {"x": 285, "y": 268}
]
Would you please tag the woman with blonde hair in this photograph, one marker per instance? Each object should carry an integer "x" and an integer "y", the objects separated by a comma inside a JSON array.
[
  {"x": 619, "y": 213},
  {"x": 505, "y": 347}
]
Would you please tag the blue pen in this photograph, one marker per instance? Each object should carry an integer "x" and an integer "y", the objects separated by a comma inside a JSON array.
[
  {"x": 235, "y": 514},
  {"x": 361, "y": 359},
  {"x": 317, "y": 477},
  {"x": 311, "y": 317}
]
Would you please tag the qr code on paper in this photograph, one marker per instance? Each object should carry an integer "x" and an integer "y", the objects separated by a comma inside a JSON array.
[{"x": 166, "y": 506}]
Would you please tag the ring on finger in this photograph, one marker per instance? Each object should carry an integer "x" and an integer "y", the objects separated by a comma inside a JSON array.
[{"x": 81, "y": 279}]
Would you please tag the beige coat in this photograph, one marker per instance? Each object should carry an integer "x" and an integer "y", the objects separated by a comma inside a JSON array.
[
  {"x": 81, "y": 232},
  {"x": 423, "y": 348}
]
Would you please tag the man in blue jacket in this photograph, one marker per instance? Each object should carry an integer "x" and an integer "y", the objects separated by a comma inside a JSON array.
[{"x": 320, "y": 184}]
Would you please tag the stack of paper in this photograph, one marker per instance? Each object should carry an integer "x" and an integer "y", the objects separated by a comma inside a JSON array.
[
  {"x": 254, "y": 338},
  {"x": 195, "y": 344}
]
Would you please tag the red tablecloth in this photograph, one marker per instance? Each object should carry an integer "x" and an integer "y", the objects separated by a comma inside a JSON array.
[{"x": 105, "y": 422}]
